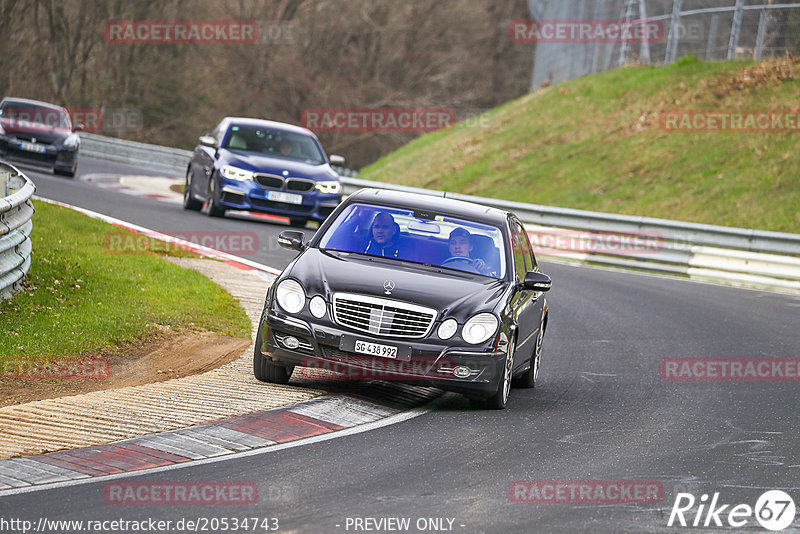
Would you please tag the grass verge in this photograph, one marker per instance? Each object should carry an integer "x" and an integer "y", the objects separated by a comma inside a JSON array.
[
  {"x": 597, "y": 143},
  {"x": 83, "y": 297}
]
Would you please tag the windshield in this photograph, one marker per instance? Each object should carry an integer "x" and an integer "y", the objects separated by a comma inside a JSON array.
[
  {"x": 275, "y": 143},
  {"x": 22, "y": 114},
  {"x": 432, "y": 239}
]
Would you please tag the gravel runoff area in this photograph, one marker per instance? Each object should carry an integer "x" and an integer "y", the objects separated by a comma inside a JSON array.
[{"x": 106, "y": 416}]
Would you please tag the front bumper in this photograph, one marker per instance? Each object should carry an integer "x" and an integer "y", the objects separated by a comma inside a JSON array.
[
  {"x": 251, "y": 197},
  {"x": 51, "y": 156},
  {"x": 461, "y": 369}
]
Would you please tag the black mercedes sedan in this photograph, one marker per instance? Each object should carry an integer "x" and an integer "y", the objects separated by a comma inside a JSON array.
[
  {"x": 262, "y": 166},
  {"x": 40, "y": 133},
  {"x": 422, "y": 289}
]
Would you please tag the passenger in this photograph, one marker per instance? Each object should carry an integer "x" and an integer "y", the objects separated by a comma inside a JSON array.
[
  {"x": 384, "y": 236},
  {"x": 461, "y": 247}
]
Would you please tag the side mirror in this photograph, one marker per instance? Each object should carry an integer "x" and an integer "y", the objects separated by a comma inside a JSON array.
[
  {"x": 207, "y": 140},
  {"x": 336, "y": 160},
  {"x": 292, "y": 240},
  {"x": 537, "y": 281},
  {"x": 78, "y": 128}
]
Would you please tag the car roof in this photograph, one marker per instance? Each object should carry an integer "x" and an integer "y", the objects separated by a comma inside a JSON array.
[
  {"x": 433, "y": 203},
  {"x": 32, "y": 102},
  {"x": 269, "y": 124}
]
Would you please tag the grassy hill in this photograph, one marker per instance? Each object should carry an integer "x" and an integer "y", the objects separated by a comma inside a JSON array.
[{"x": 598, "y": 143}]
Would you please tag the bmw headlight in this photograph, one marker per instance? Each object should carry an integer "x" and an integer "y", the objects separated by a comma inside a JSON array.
[
  {"x": 71, "y": 141},
  {"x": 479, "y": 328},
  {"x": 235, "y": 173},
  {"x": 447, "y": 329},
  {"x": 330, "y": 188},
  {"x": 291, "y": 296}
]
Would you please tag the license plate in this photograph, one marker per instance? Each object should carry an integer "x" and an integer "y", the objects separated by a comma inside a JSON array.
[
  {"x": 33, "y": 147},
  {"x": 374, "y": 349},
  {"x": 289, "y": 198}
]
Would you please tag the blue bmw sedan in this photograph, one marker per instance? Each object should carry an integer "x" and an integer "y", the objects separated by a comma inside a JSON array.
[{"x": 262, "y": 166}]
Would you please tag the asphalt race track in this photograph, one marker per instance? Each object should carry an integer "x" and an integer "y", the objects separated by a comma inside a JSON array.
[{"x": 602, "y": 412}]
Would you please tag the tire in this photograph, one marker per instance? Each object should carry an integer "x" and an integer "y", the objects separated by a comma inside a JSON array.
[
  {"x": 190, "y": 203},
  {"x": 68, "y": 174},
  {"x": 527, "y": 380},
  {"x": 212, "y": 210},
  {"x": 266, "y": 371},
  {"x": 499, "y": 400},
  {"x": 299, "y": 222}
]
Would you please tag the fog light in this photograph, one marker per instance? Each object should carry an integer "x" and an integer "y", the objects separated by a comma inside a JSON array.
[
  {"x": 462, "y": 372},
  {"x": 290, "y": 342}
]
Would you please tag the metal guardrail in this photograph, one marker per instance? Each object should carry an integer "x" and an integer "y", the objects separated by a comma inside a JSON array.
[
  {"x": 738, "y": 256},
  {"x": 16, "y": 211}
]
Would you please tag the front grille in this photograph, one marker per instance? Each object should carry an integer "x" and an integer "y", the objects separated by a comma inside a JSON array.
[
  {"x": 298, "y": 185},
  {"x": 268, "y": 180},
  {"x": 284, "y": 206},
  {"x": 382, "y": 317}
]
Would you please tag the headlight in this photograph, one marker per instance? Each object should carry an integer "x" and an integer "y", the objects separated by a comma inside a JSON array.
[
  {"x": 447, "y": 329},
  {"x": 290, "y": 295},
  {"x": 71, "y": 141},
  {"x": 317, "y": 307},
  {"x": 331, "y": 188},
  {"x": 479, "y": 328},
  {"x": 235, "y": 173}
]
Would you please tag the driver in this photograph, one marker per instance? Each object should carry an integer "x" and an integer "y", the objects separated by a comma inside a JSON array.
[
  {"x": 286, "y": 148},
  {"x": 461, "y": 247},
  {"x": 384, "y": 236}
]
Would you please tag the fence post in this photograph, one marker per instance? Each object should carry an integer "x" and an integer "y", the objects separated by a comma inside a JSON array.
[
  {"x": 712, "y": 37},
  {"x": 735, "y": 29},
  {"x": 624, "y": 49},
  {"x": 644, "y": 50},
  {"x": 762, "y": 28},
  {"x": 672, "y": 40}
]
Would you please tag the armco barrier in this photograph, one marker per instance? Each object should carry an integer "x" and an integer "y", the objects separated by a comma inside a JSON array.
[
  {"x": 16, "y": 211},
  {"x": 735, "y": 256}
]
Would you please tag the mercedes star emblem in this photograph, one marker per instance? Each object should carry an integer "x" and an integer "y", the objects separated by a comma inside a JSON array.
[{"x": 388, "y": 286}]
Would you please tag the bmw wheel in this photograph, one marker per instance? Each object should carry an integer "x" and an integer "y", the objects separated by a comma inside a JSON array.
[{"x": 189, "y": 202}]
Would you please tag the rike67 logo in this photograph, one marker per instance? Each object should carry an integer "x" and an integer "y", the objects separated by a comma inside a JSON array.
[{"x": 774, "y": 510}]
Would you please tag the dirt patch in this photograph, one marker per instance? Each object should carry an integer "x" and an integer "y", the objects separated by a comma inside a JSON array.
[{"x": 169, "y": 355}]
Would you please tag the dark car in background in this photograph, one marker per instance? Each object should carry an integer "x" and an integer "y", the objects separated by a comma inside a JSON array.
[
  {"x": 415, "y": 288},
  {"x": 262, "y": 166},
  {"x": 37, "y": 132}
]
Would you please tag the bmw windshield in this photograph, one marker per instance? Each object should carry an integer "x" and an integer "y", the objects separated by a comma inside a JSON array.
[
  {"x": 274, "y": 143},
  {"x": 431, "y": 239}
]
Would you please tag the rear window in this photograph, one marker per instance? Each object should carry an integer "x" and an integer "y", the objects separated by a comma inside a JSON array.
[{"x": 429, "y": 238}]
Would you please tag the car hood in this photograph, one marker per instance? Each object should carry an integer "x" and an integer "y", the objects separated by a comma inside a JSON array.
[
  {"x": 263, "y": 163},
  {"x": 453, "y": 293}
]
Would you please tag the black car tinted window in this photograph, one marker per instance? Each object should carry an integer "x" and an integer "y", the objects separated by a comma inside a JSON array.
[
  {"x": 23, "y": 113},
  {"x": 403, "y": 235}
]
